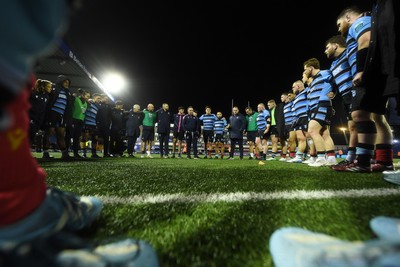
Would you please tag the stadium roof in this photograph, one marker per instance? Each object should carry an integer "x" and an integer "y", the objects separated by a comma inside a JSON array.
[{"x": 64, "y": 61}]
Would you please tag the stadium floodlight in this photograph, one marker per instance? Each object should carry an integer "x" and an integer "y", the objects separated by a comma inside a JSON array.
[
  {"x": 100, "y": 85},
  {"x": 343, "y": 129},
  {"x": 114, "y": 83}
]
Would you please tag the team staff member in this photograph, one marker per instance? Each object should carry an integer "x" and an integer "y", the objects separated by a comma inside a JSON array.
[
  {"x": 149, "y": 123},
  {"x": 191, "y": 125},
  {"x": 178, "y": 131},
  {"x": 78, "y": 117},
  {"x": 164, "y": 119},
  {"x": 104, "y": 123},
  {"x": 236, "y": 126},
  {"x": 117, "y": 129},
  {"x": 133, "y": 123},
  {"x": 251, "y": 131},
  {"x": 38, "y": 100}
]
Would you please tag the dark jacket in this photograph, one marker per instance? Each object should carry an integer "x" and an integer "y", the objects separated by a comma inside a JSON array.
[
  {"x": 133, "y": 121},
  {"x": 191, "y": 123},
  {"x": 164, "y": 120},
  {"x": 280, "y": 119},
  {"x": 37, "y": 111},
  {"x": 237, "y": 126},
  {"x": 384, "y": 48},
  {"x": 117, "y": 120},
  {"x": 104, "y": 116},
  {"x": 178, "y": 127}
]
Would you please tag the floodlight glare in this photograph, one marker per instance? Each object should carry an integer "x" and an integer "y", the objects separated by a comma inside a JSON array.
[{"x": 114, "y": 83}]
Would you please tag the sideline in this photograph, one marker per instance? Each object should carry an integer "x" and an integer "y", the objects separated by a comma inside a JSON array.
[{"x": 248, "y": 196}]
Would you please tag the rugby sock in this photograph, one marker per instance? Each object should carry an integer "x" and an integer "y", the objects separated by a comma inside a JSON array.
[{"x": 384, "y": 154}]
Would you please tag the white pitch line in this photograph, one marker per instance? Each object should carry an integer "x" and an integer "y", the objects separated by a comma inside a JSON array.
[{"x": 248, "y": 196}]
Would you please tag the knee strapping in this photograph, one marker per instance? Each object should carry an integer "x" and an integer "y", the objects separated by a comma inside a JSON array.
[{"x": 366, "y": 127}]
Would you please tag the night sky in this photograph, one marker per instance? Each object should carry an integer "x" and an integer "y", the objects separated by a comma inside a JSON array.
[{"x": 205, "y": 52}]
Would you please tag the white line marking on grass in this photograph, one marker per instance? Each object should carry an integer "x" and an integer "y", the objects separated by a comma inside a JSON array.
[{"x": 249, "y": 196}]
